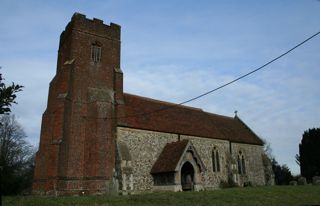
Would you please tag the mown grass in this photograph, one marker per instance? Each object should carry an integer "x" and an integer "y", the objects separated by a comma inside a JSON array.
[{"x": 276, "y": 195}]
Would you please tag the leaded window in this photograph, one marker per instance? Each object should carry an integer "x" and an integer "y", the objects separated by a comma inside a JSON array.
[
  {"x": 241, "y": 163},
  {"x": 215, "y": 160}
]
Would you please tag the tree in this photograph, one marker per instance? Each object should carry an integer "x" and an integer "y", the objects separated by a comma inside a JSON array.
[
  {"x": 309, "y": 150},
  {"x": 267, "y": 163},
  {"x": 8, "y": 95},
  {"x": 267, "y": 149},
  {"x": 16, "y": 157},
  {"x": 282, "y": 173},
  {"x": 297, "y": 159}
]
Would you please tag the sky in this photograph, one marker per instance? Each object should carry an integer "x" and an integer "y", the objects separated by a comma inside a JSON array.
[{"x": 176, "y": 50}]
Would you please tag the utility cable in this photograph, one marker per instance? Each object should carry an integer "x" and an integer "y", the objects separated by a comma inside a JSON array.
[{"x": 219, "y": 87}]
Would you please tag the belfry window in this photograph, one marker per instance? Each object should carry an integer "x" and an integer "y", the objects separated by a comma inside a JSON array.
[
  {"x": 241, "y": 164},
  {"x": 215, "y": 160},
  {"x": 96, "y": 52}
]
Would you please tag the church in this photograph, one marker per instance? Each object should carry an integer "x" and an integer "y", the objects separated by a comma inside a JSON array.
[{"x": 97, "y": 139}]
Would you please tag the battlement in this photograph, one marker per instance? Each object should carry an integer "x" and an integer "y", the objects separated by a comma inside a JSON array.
[{"x": 81, "y": 23}]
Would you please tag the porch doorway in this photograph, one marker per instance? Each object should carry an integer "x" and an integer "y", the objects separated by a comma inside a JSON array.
[{"x": 187, "y": 176}]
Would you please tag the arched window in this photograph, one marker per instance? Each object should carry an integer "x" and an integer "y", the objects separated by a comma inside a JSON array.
[
  {"x": 96, "y": 52},
  {"x": 215, "y": 160},
  {"x": 241, "y": 163}
]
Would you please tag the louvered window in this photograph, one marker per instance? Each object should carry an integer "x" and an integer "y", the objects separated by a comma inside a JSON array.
[{"x": 95, "y": 53}]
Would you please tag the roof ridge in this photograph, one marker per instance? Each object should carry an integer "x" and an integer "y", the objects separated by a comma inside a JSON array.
[
  {"x": 165, "y": 102},
  {"x": 178, "y": 141},
  {"x": 219, "y": 115}
]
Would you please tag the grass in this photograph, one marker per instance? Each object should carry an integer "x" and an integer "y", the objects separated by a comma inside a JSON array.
[{"x": 276, "y": 195}]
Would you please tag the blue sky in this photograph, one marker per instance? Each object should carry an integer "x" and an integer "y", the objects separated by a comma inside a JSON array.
[{"x": 175, "y": 50}]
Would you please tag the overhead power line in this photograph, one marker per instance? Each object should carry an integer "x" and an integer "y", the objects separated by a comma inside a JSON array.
[
  {"x": 219, "y": 87},
  {"x": 226, "y": 84},
  {"x": 249, "y": 73}
]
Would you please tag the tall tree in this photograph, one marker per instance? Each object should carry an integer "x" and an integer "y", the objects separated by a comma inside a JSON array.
[
  {"x": 267, "y": 158},
  {"x": 16, "y": 157},
  {"x": 297, "y": 159},
  {"x": 309, "y": 150},
  {"x": 282, "y": 173},
  {"x": 7, "y": 95}
]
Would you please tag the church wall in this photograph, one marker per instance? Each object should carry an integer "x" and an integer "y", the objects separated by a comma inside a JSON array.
[
  {"x": 253, "y": 163},
  {"x": 144, "y": 147}
]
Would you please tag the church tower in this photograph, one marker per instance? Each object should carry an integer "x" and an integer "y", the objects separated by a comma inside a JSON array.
[{"x": 77, "y": 143}]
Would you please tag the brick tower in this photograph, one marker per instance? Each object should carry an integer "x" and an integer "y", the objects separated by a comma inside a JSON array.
[{"x": 77, "y": 143}]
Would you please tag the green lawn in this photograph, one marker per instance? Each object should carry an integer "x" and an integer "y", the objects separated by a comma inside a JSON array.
[{"x": 277, "y": 195}]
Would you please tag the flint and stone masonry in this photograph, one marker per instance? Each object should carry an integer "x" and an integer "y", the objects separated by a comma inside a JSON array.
[
  {"x": 96, "y": 139},
  {"x": 146, "y": 146}
]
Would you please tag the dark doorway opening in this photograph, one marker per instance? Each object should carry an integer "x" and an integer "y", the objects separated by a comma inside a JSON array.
[{"x": 187, "y": 176}]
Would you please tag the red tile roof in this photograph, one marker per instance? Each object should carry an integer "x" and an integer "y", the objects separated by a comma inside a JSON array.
[
  {"x": 139, "y": 113},
  {"x": 169, "y": 157}
]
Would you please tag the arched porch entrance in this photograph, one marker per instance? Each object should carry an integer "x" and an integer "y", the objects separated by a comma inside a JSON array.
[
  {"x": 182, "y": 172},
  {"x": 187, "y": 176}
]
